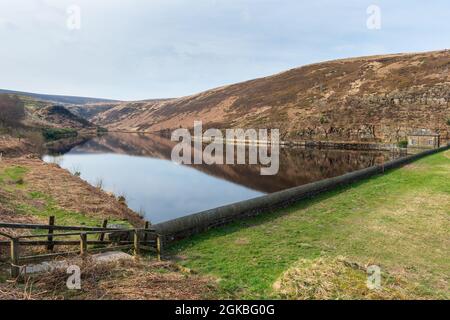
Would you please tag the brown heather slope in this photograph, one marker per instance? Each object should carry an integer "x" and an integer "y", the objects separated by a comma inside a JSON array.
[
  {"x": 378, "y": 98},
  {"x": 59, "y": 116},
  {"x": 90, "y": 110}
]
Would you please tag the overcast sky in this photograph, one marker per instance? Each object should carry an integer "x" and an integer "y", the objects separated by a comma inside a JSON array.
[{"x": 142, "y": 49}]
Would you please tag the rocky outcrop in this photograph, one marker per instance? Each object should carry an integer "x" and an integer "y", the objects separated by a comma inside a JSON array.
[{"x": 389, "y": 117}]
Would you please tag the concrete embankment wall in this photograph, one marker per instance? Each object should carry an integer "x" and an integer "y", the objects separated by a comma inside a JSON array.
[{"x": 199, "y": 222}]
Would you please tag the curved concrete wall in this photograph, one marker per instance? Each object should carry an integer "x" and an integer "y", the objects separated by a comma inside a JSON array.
[{"x": 199, "y": 222}]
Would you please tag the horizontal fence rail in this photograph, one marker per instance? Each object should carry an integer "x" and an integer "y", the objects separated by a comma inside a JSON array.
[
  {"x": 138, "y": 240},
  {"x": 55, "y": 227}
]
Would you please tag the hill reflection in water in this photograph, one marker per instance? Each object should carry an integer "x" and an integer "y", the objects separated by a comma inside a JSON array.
[{"x": 139, "y": 167}]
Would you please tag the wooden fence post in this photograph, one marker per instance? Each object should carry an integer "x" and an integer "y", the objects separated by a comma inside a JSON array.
[
  {"x": 51, "y": 222},
  {"x": 83, "y": 244},
  {"x": 104, "y": 225},
  {"x": 136, "y": 242},
  {"x": 15, "y": 269},
  {"x": 158, "y": 247},
  {"x": 147, "y": 225}
]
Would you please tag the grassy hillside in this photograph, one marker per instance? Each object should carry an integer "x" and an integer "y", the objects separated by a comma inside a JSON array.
[
  {"x": 321, "y": 248},
  {"x": 379, "y": 98}
]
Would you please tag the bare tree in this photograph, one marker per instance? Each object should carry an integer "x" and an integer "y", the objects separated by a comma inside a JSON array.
[{"x": 12, "y": 110}]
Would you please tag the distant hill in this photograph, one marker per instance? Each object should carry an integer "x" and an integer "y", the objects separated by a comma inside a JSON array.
[
  {"x": 22, "y": 111},
  {"x": 377, "y": 98},
  {"x": 58, "y": 98}
]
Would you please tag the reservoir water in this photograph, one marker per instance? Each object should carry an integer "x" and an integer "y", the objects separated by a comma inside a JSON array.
[{"x": 139, "y": 167}]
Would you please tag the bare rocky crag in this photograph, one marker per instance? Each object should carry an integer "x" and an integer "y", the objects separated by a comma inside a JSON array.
[{"x": 373, "y": 99}]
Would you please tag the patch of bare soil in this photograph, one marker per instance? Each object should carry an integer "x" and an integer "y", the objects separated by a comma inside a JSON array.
[{"x": 116, "y": 281}]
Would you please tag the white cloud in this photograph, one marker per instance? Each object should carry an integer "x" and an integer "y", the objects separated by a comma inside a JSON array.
[{"x": 147, "y": 49}]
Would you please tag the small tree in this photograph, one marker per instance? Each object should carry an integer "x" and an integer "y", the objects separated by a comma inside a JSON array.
[
  {"x": 448, "y": 121},
  {"x": 12, "y": 110},
  {"x": 402, "y": 144}
]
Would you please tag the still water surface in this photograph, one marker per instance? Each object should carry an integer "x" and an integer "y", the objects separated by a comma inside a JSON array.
[{"x": 139, "y": 168}]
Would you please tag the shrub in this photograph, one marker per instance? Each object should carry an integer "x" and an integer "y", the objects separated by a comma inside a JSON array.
[
  {"x": 19, "y": 181},
  {"x": 448, "y": 121},
  {"x": 51, "y": 134},
  {"x": 122, "y": 200},
  {"x": 99, "y": 184},
  {"x": 402, "y": 144}
]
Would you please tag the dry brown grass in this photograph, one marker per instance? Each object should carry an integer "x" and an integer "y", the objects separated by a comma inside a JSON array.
[
  {"x": 12, "y": 147},
  {"x": 337, "y": 278},
  {"x": 127, "y": 280},
  {"x": 8, "y": 215}
]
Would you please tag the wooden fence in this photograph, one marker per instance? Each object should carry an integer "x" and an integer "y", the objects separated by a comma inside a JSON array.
[{"x": 87, "y": 239}]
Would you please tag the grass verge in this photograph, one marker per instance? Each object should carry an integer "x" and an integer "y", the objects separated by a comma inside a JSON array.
[{"x": 398, "y": 221}]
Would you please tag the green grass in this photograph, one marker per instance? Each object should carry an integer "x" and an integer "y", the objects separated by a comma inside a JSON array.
[
  {"x": 399, "y": 221},
  {"x": 12, "y": 178},
  {"x": 63, "y": 217},
  {"x": 12, "y": 174},
  {"x": 45, "y": 207}
]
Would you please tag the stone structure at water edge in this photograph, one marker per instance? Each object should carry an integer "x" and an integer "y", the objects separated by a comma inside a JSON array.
[{"x": 424, "y": 138}]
